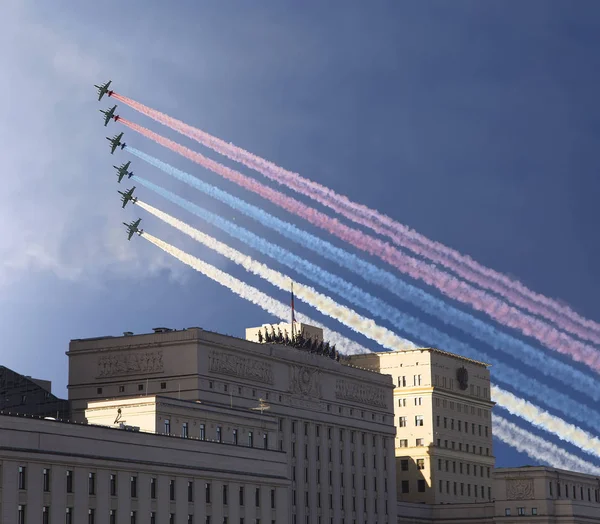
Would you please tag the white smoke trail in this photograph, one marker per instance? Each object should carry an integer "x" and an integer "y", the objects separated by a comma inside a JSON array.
[
  {"x": 544, "y": 420},
  {"x": 253, "y": 295},
  {"x": 538, "y": 448},
  {"x": 323, "y": 303}
]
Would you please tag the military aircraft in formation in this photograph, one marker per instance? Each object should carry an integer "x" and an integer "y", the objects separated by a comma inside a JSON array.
[
  {"x": 108, "y": 114},
  {"x": 122, "y": 171},
  {"x": 115, "y": 141},
  {"x": 133, "y": 228},
  {"x": 103, "y": 89},
  {"x": 127, "y": 196}
]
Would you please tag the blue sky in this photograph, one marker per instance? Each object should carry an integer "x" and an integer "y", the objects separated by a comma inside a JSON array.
[{"x": 475, "y": 123}]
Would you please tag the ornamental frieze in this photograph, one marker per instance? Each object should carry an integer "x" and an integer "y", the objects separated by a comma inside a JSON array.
[
  {"x": 130, "y": 364},
  {"x": 305, "y": 381},
  {"x": 243, "y": 367},
  {"x": 360, "y": 393},
  {"x": 519, "y": 489}
]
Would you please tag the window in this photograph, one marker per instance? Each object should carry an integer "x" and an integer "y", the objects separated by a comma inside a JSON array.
[
  {"x": 241, "y": 495},
  {"x": 534, "y": 511},
  {"x": 46, "y": 479},
  {"x": 520, "y": 511},
  {"x": 69, "y": 481},
  {"x": 416, "y": 380},
  {"x": 133, "y": 486},
  {"x": 133, "y": 517},
  {"x": 171, "y": 489},
  {"x": 402, "y": 422},
  {"x": 163, "y": 385},
  {"x": 112, "y": 516},
  {"x": 420, "y": 463},
  {"x": 153, "y": 488},
  {"x": 257, "y": 497},
  {"x": 91, "y": 516},
  {"x": 507, "y": 512},
  {"x": 272, "y": 499},
  {"x": 190, "y": 491},
  {"x": 121, "y": 389},
  {"x": 403, "y": 443},
  {"x": 167, "y": 427},
  {"x": 140, "y": 387},
  {"x": 207, "y": 492},
  {"x": 405, "y": 486},
  {"x": 69, "y": 516},
  {"x": 419, "y": 442},
  {"x": 402, "y": 402},
  {"x": 250, "y": 439},
  {"x": 46, "y": 515},
  {"x": 184, "y": 430},
  {"x": 401, "y": 382},
  {"x": 235, "y": 436},
  {"x": 421, "y": 485},
  {"x": 266, "y": 441},
  {"x": 225, "y": 495},
  {"x": 22, "y": 478},
  {"x": 418, "y": 420},
  {"x": 99, "y": 391},
  {"x": 21, "y": 514},
  {"x": 113, "y": 485},
  {"x": 92, "y": 484},
  {"x": 202, "y": 432},
  {"x": 153, "y": 517},
  {"x": 218, "y": 433},
  {"x": 418, "y": 401}
]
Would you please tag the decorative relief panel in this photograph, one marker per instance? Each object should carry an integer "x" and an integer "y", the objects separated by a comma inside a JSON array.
[
  {"x": 130, "y": 364},
  {"x": 372, "y": 396},
  {"x": 305, "y": 381},
  {"x": 228, "y": 364},
  {"x": 519, "y": 489}
]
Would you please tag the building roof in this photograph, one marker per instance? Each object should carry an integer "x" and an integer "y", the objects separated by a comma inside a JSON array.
[{"x": 434, "y": 350}]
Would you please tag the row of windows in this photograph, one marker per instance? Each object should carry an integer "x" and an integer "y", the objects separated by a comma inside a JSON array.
[
  {"x": 460, "y": 447},
  {"x": 330, "y": 430},
  {"x": 482, "y": 430},
  {"x": 112, "y": 516},
  {"x": 185, "y": 433},
  {"x": 520, "y": 511},
  {"x": 462, "y": 408},
  {"x": 341, "y": 453},
  {"x": 574, "y": 491},
  {"x": 459, "y": 488},
  {"x": 418, "y": 401},
  {"x": 353, "y": 479},
  {"x": 342, "y": 503},
  {"x": 463, "y": 468},
  {"x": 133, "y": 487},
  {"x": 448, "y": 383},
  {"x": 416, "y": 381}
]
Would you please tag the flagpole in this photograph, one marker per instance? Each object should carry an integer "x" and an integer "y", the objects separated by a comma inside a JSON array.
[{"x": 292, "y": 284}]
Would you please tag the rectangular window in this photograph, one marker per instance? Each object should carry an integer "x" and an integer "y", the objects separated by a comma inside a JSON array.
[
  {"x": 257, "y": 497},
  {"x": 46, "y": 479},
  {"x": 184, "y": 430},
  {"x": 22, "y": 478},
  {"x": 218, "y": 433},
  {"x": 235, "y": 436},
  {"x": 418, "y": 401},
  {"x": 534, "y": 511},
  {"x": 190, "y": 491},
  {"x": 405, "y": 488},
  {"x": 265, "y": 441},
  {"x": 153, "y": 517},
  {"x": 419, "y": 442},
  {"x": 403, "y": 443},
  {"x": 507, "y": 512},
  {"x": 113, "y": 485},
  {"x": 92, "y": 484},
  {"x": 520, "y": 511},
  {"x": 250, "y": 439},
  {"x": 420, "y": 463},
  {"x": 133, "y": 517},
  {"x": 207, "y": 492},
  {"x": 225, "y": 495},
  {"x": 241, "y": 495},
  {"x": 153, "y": 488},
  {"x": 69, "y": 516},
  {"x": 421, "y": 486},
  {"x": 202, "y": 432},
  {"x": 171, "y": 489},
  {"x": 167, "y": 427},
  {"x": 402, "y": 422},
  {"x": 21, "y": 514},
  {"x": 133, "y": 486},
  {"x": 418, "y": 420},
  {"x": 112, "y": 516},
  {"x": 404, "y": 465},
  {"x": 46, "y": 515},
  {"x": 401, "y": 382},
  {"x": 69, "y": 481},
  {"x": 91, "y": 516}
]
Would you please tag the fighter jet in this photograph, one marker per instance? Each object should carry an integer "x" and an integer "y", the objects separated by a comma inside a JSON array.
[
  {"x": 108, "y": 114},
  {"x": 133, "y": 228},
  {"x": 127, "y": 196},
  {"x": 122, "y": 171},
  {"x": 103, "y": 89},
  {"x": 116, "y": 141}
]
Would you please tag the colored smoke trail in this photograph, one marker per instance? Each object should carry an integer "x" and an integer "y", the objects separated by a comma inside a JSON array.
[
  {"x": 527, "y": 354},
  {"x": 544, "y": 420},
  {"x": 462, "y": 265},
  {"x": 253, "y": 295},
  {"x": 538, "y": 448},
  {"x": 445, "y": 283},
  {"x": 324, "y": 304},
  {"x": 520, "y": 382}
]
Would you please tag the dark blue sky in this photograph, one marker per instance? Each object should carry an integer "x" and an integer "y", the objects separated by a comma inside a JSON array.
[{"x": 475, "y": 123}]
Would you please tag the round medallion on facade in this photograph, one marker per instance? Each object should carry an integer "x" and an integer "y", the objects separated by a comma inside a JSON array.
[{"x": 462, "y": 375}]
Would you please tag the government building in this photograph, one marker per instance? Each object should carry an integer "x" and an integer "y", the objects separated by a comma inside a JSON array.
[{"x": 194, "y": 427}]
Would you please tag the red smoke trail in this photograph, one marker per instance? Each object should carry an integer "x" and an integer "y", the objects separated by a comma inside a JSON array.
[
  {"x": 462, "y": 265},
  {"x": 417, "y": 269}
]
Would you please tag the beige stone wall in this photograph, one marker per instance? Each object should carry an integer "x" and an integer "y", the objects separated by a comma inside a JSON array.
[{"x": 38, "y": 445}]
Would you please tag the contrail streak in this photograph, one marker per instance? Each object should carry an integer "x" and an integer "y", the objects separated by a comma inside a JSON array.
[
  {"x": 518, "y": 381},
  {"x": 544, "y": 420},
  {"x": 445, "y": 283},
  {"x": 253, "y": 295},
  {"x": 335, "y": 284},
  {"x": 462, "y": 265},
  {"x": 540, "y": 449},
  {"x": 362, "y": 325}
]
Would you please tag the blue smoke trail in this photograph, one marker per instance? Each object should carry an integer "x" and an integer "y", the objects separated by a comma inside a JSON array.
[
  {"x": 431, "y": 305},
  {"x": 502, "y": 372}
]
